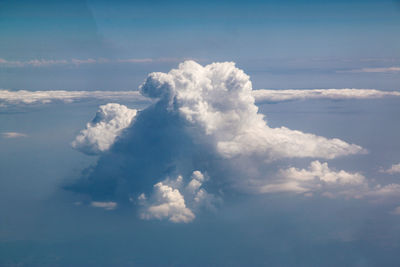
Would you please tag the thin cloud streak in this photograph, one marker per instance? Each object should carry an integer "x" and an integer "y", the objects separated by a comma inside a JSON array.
[
  {"x": 44, "y": 97},
  {"x": 77, "y": 62},
  {"x": 9, "y": 135},
  {"x": 269, "y": 95},
  {"x": 372, "y": 70},
  {"x": 261, "y": 95}
]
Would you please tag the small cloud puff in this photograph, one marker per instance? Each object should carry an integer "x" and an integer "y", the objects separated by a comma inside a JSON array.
[
  {"x": 101, "y": 132},
  {"x": 392, "y": 170},
  {"x": 175, "y": 202}
]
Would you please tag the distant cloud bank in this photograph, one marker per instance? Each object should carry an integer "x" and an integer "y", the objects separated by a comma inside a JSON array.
[
  {"x": 261, "y": 96},
  {"x": 374, "y": 70},
  {"x": 265, "y": 95},
  {"x": 42, "y": 97},
  {"x": 78, "y": 62}
]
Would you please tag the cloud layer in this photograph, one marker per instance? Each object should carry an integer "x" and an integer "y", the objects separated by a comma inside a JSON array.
[
  {"x": 42, "y": 97},
  {"x": 264, "y": 95},
  {"x": 261, "y": 96}
]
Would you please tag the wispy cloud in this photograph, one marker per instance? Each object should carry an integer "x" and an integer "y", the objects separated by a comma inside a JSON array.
[
  {"x": 78, "y": 62},
  {"x": 135, "y": 60},
  {"x": 34, "y": 97},
  {"x": 104, "y": 205},
  {"x": 372, "y": 70},
  {"x": 13, "y": 135},
  {"x": 261, "y": 96},
  {"x": 32, "y": 63},
  {"x": 267, "y": 95}
]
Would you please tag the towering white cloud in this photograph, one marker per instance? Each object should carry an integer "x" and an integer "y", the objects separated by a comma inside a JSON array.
[
  {"x": 217, "y": 101},
  {"x": 203, "y": 118},
  {"x": 102, "y": 131}
]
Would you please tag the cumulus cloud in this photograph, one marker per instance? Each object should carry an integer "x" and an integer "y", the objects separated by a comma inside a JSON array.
[
  {"x": 395, "y": 168},
  {"x": 13, "y": 135},
  {"x": 317, "y": 177},
  {"x": 264, "y": 95},
  {"x": 101, "y": 132},
  {"x": 41, "y": 97},
  {"x": 104, "y": 205},
  {"x": 173, "y": 201},
  {"x": 203, "y": 118},
  {"x": 217, "y": 100}
]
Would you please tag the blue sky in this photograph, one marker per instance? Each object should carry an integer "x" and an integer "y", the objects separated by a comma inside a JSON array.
[
  {"x": 280, "y": 40},
  {"x": 105, "y": 163}
]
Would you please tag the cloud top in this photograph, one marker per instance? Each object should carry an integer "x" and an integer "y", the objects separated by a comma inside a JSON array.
[{"x": 217, "y": 101}]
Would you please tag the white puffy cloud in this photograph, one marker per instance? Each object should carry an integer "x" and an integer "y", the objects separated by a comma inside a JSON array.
[
  {"x": 264, "y": 95},
  {"x": 110, "y": 205},
  {"x": 173, "y": 201},
  {"x": 42, "y": 97},
  {"x": 323, "y": 173},
  {"x": 395, "y": 168},
  {"x": 101, "y": 132},
  {"x": 13, "y": 135},
  {"x": 217, "y": 101},
  {"x": 317, "y": 177},
  {"x": 168, "y": 203}
]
